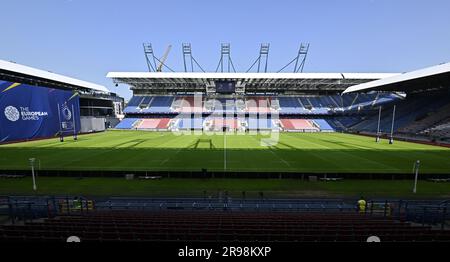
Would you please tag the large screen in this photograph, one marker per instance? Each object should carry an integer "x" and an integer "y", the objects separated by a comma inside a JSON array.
[
  {"x": 30, "y": 112},
  {"x": 225, "y": 87}
]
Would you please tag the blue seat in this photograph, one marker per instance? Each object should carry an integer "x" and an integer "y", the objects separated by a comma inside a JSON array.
[
  {"x": 323, "y": 124},
  {"x": 126, "y": 123}
]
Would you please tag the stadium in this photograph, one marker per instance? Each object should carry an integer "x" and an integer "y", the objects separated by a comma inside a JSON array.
[
  {"x": 274, "y": 125},
  {"x": 225, "y": 156}
]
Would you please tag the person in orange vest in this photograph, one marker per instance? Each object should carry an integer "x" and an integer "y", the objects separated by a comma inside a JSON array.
[{"x": 362, "y": 205}]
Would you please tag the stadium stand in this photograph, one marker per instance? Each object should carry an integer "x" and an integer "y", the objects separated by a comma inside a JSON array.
[
  {"x": 412, "y": 115},
  {"x": 260, "y": 123},
  {"x": 441, "y": 131},
  {"x": 221, "y": 123},
  {"x": 300, "y": 125},
  {"x": 151, "y": 106},
  {"x": 417, "y": 117},
  {"x": 127, "y": 123},
  {"x": 163, "y": 123},
  {"x": 148, "y": 124},
  {"x": 155, "y": 123},
  {"x": 160, "y": 104},
  {"x": 220, "y": 226},
  {"x": 429, "y": 121},
  {"x": 134, "y": 101},
  {"x": 289, "y": 105},
  {"x": 225, "y": 106},
  {"x": 189, "y": 123},
  {"x": 187, "y": 104},
  {"x": 285, "y": 105},
  {"x": 350, "y": 112},
  {"x": 324, "y": 125}
]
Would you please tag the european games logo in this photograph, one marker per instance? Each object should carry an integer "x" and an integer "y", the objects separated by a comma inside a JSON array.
[
  {"x": 66, "y": 112},
  {"x": 12, "y": 114}
]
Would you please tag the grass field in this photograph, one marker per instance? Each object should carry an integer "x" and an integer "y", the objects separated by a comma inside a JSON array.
[
  {"x": 289, "y": 188},
  {"x": 165, "y": 151}
]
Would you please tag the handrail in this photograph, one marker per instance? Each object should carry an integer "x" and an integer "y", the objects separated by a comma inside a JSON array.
[{"x": 422, "y": 211}]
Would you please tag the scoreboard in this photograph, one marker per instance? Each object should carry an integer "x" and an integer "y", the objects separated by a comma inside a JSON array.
[{"x": 225, "y": 87}]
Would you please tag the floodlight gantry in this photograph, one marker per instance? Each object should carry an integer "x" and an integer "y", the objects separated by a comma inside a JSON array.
[
  {"x": 187, "y": 57},
  {"x": 263, "y": 55},
  {"x": 299, "y": 60},
  {"x": 150, "y": 57},
  {"x": 225, "y": 53}
]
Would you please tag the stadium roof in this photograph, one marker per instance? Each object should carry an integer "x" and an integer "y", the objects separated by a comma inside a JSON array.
[
  {"x": 257, "y": 81},
  {"x": 419, "y": 80},
  {"x": 14, "y": 70}
]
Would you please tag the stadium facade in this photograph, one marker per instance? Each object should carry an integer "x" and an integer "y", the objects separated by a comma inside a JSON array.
[{"x": 296, "y": 102}]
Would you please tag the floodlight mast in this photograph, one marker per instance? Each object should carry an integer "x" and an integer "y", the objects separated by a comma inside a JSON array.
[
  {"x": 189, "y": 58},
  {"x": 302, "y": 54},
  {"x": 187, "y": 51},
  {"x": 151, "y": 59},
  {"x": 154, "y": 64},
  {"x": 225, "y": 53},
  {"x": 299, "y": 60},
  {"x": 263, "y": 55}
]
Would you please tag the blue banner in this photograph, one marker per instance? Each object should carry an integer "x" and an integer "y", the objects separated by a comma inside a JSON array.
[{"x": 31, "y": 112}]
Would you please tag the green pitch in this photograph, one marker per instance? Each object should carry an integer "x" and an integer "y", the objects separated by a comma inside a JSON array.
[{"x": 165, "y": 151}]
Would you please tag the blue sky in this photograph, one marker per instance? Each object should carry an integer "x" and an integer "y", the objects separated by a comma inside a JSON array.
[{"x": 86, "y": 38}]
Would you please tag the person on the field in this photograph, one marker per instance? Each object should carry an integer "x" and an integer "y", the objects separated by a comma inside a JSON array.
[{"x": 362, "y": 205}]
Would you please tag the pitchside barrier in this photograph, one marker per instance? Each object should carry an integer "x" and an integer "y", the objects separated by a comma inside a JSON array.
[{"x": 205, "y": 173}]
